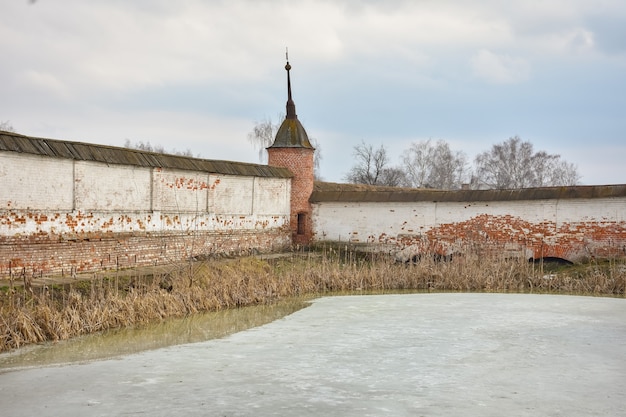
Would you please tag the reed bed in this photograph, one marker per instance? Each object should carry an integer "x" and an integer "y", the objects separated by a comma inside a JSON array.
[{"x": 102, "y": 303}]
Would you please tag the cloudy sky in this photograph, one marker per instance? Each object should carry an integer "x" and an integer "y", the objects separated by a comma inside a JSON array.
[{"x": 198, "y": 74}]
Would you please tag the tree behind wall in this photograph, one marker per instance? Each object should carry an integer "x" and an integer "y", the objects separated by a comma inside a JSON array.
[
  {"x": 7, "y": 126},
  {"x": 371, "y": 166},
  {"x": 434, "y": 165},
  {"x": 147, "y": 146},
  {"x": 514, "y": 164}
]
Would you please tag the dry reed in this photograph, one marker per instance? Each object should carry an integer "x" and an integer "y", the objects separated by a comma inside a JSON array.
[{"x": 101, "y": 304}]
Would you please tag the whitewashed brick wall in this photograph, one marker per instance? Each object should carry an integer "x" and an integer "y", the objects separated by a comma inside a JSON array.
[
  {"x": 568, "y": 228},
  {"x": 81, "y": 196},
  {"x": 35, "y": 182}
]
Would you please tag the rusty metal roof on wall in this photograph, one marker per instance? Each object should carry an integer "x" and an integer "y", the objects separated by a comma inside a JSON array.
[
  {"x": 13, "y": 142},
  {"x": 347, "y": 193}
]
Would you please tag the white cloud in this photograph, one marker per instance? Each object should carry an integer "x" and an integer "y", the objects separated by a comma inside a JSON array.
[
  {"x": 576, "y": 40},
  {"x": 119, "y": 45},
  {"x": 44, "y": 81},
  {"x": 103, "y": 70},
  {"x": 500, "y": 68}
]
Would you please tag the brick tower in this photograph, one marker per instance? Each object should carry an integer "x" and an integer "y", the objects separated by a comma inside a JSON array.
[{"x": 291, "y": 149}]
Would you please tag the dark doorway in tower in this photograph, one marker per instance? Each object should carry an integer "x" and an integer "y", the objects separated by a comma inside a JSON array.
[{"x": 301, "y": 223}]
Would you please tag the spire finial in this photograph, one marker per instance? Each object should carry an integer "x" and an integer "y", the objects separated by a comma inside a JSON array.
[{"x": 291, "y": 106}]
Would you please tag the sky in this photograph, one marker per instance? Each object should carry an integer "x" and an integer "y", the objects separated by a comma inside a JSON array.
[{"x": 199, "y": 74}]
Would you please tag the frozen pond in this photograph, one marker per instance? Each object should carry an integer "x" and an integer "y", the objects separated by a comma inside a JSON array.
[{"x": 381, "y": 355}]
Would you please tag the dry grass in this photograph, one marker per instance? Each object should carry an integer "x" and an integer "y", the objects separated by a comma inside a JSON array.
[{"x": 59, "y": 313}]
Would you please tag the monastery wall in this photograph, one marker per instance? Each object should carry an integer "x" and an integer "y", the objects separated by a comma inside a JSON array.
[
  {"x": 66, "y": 216},
  {"x": 67, "y": 207},
  {"x": 514, "y": 223}
]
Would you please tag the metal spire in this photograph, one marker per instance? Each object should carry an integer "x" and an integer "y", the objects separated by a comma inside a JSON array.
[{"x": 291, "y": 106}]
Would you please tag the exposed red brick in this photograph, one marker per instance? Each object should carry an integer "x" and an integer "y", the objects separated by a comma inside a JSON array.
[
  {"x": 572, "y": 241},
  {"x": 60, "y": 255},
  {"x": 300, "y": 162}
]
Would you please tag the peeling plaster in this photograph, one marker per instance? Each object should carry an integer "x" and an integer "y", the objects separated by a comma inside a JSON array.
[{"x": 446, "y": 228}]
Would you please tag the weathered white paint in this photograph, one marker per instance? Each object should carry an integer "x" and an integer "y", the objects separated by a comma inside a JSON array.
[
  {"x": 72, "y": 224},
  {"x": 574, "y": 229},
  {"x": 360, "y": 221},
  {"x": 111, "y": 187},
  {"x": 271, "y": 196},
  {"x": 50, "y": 196},
  {"x": 179, "y": 191},
  {"x": 35, "y": 182},
  {"x": 231, "y": 194}
]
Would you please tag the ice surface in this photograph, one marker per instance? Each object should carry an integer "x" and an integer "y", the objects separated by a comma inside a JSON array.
[{"x": 381, "y": 355}]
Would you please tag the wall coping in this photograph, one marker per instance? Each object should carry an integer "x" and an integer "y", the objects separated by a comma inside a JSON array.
[
  {"x": 14, "y": 142},
  {"x": 361, "y": 193}
]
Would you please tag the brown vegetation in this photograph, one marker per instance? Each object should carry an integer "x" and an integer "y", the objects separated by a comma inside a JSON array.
[{"x": 57, "y": 312}]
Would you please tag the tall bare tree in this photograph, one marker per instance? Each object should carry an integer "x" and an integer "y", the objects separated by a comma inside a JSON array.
[
  {"x": 434, "y": 165},
  {"x": 371, "y": 166},
  {"x": 514, "y": 164}
]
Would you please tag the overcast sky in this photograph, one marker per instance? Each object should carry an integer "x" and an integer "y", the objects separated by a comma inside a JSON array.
[{"x": 198, "y": 74}]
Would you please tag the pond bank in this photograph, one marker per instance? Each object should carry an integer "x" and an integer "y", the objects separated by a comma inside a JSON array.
[
  {"x": 59, "y": 312},
  {"x": 176, "y": 331}
]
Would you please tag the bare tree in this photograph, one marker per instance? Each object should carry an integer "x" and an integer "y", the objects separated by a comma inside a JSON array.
[
  {"x": 7, "y": 126},
  {"x": 317, "y": 158},
  {"x": 514, "y": 164},
  {"x": 369, "y": 164},
  {"x": 564, "y": 173},
  {"x": 372, "y": 167},
  {"x": 429, "y": 165},
  {"x": 263, "y": 135},
  {"x": 394, "y": 177},
  {"x": 147, "y": 146},
  {"x": 417, "y": 163}
]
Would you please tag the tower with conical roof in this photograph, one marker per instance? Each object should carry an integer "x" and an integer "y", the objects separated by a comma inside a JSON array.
[{"x": 291, "y": 149}]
